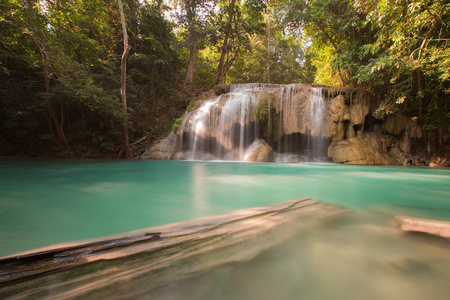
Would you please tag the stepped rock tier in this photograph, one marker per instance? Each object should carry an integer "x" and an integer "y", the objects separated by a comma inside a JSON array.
[{"x": 284, "y": 123}]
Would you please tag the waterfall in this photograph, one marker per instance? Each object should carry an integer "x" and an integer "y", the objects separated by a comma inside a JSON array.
[
  {"x": 235, "y": 133},
  {"x": 288, "y": 116},
  {"x": 316, "y": 145},
  {"x": 199, "y": 130},
  {"x": 223, "y": 128}
]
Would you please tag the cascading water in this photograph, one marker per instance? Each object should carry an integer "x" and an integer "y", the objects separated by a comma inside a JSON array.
[
  {"x": 316, "y": 145},
  {"x": 287, "y": 117},
  {"x": 224, "y": 127},
  {"x": 235, "y": 133}
]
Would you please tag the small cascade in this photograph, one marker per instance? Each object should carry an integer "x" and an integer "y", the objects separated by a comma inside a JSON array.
[
  {"x": 287, "y": 117},
  {"x": 225, "y": 127},
  {"x": 316, "y": 144},
  {"x": 222, "y": 128},
  {"x": 200, "y": 127},
  {"x": 235, "y": 132}
]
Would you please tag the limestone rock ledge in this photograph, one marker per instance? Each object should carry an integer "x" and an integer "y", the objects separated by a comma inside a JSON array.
[
  {"x": 368, "y": 148},
  {"x": 164, "y": 149}
]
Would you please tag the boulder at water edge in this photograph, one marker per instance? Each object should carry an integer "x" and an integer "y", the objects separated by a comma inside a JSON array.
[
  {"x": 259, "y": 151},
  {"x": 163, "y": 149},
  {"x": 365, "y": 149}
]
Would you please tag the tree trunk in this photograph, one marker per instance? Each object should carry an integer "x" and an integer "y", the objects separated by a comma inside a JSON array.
[
  {"x": 51, "y": 111},
  {"x": 341, "y": 81},
  {"x": 219, "y": 72},
  {"x": 44, "y": 66},
  {"x": 268, "y": 50},
  {"x": 191, "y": 65},
  {"x": 420, "y": 95},
  {"x": 123, "y": 80},
  {"x": 220, "y": 68}
]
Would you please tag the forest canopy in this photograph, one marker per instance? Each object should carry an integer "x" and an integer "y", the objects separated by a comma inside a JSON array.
[{"x": 60, "y": 63}]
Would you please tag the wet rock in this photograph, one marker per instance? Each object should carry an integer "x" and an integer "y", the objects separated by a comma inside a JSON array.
[
  {"x": 337, "y": 109},
  {"x": 350, "y": 133},
  {"x": 399, "y": 123},
  {"x": 163, "y": 149},
  {"x": 366, "y": 149},
  {"x": 358, "y": 111},
  {"x": 438, "y": 162},
  {"x": 259, "y": 151},
  {"x": 179, "y": 156},
  {"x": 208, "y": 94},
  {"x": 338, "y": 130},
  {"x": 338, "y": 113},
  {"x": 221, "y": 89}
]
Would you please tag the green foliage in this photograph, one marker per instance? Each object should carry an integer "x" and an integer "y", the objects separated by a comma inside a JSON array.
[
  {"x": 322, "y": 58},
  {"x": 396, "y": 49},
  {"x": 176, "y": 124},
  {"x": 79, "y": 45},
  {"x": 262, "y": 107},
  {"x": 60, "y": 63},
  {"x": 287, "y": 60},
  {"x": 266, "y": 115},
  {"x": 409, "y": 60}
]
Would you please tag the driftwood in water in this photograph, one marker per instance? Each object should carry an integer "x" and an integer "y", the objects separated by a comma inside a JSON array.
[
  {"x": 433, "y": 227},
  {"x": 19, "y": 266},
  {"x": 213, "y": 238}
]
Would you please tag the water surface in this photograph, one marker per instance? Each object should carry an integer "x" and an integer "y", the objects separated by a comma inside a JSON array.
[{"x": 49, "y": 202}]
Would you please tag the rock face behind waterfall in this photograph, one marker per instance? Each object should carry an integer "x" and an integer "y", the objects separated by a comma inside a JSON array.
[{"x": 297, "y": 122}]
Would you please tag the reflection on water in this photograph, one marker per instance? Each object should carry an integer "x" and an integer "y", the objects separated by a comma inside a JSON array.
[{"x": 199, "y": 189}]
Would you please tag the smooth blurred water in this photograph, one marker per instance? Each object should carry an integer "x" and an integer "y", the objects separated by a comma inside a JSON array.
[
  {"x": 360, "y": 257},
  {"x": 48, "y": 202}
]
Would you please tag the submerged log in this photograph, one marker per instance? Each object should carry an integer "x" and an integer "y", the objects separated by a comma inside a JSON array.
[
  {"x": 215, "y": 238},
  {"x": 432, "y": 227}
]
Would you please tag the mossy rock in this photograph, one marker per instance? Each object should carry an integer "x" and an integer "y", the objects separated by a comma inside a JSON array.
[{"x": 263, "y": 106}]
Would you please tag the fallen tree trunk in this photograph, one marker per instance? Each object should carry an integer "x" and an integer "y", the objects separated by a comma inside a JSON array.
[
  {"x": 139, "y": 140},
  {"x": 214, "y": 238},
  {"x": 433, "y": 227}
]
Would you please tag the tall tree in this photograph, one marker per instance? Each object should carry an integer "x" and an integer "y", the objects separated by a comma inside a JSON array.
[
  {"x": 38, "y": 35},
  {"x": 235, "y": 23},
  {"x": 337, "y": 23},
  {"x": 194, "y": 19},
  {"x": 123, "y": 80},
  {"x": 221, "y": 68},
  {"x": 288, "y": 59}
]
